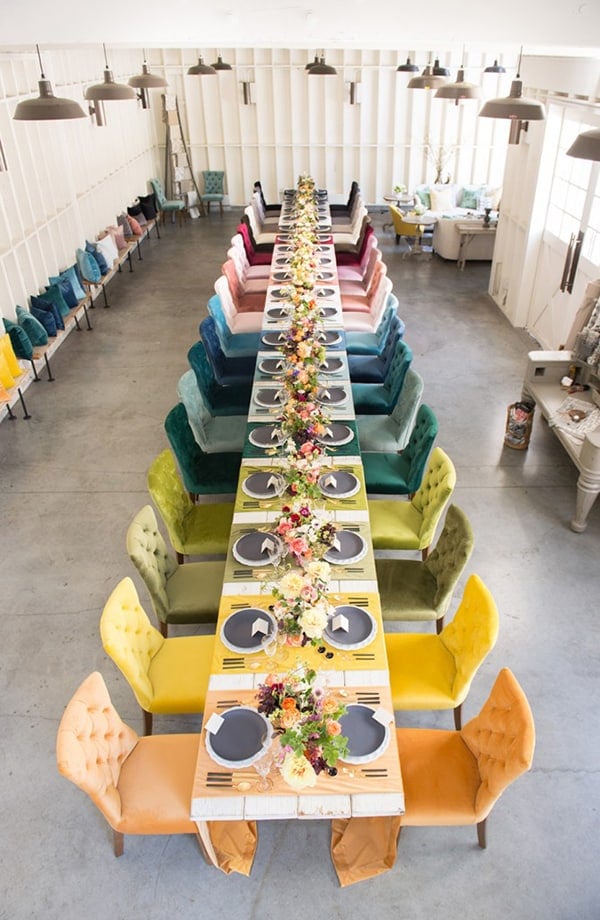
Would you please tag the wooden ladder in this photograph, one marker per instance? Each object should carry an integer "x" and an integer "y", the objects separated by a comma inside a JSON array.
[{"x": 179, "y": 175}]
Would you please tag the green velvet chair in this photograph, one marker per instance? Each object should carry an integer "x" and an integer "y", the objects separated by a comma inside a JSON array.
[
  {"x": 436, "y": 671},
  {"x": 194, "y": 530},
  {"x": 221, "y": 400},
  {"x": 391, "y": 432},
  {"x": 179, "y": 594},
  {"x": 214, "y": 181},
  {"x": 166, "y": 205},
  {"x": 413, "y": 590},
  {"x": 406, "y": 525},
  {"x": 380, "y": 398},
  {"x": 216, "y": 434},
  {"x": 402, "y": 474},
  {"x": 203, "y": 473}
]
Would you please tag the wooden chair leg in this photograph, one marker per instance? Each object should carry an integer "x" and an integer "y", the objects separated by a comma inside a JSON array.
[
  {"x": 458, "y": 717},
  {"x": 439, "y": 625},
  {"x": 481, "y": 834},
  {"x": 221, "y": 208},
  {"x": 118, "y": 843},
  {"x": 147, "y": 722},
  {"x": 164, "y": 629},
  {"x": 180, "y": 558},
  {"x": 424, "y": 553}
]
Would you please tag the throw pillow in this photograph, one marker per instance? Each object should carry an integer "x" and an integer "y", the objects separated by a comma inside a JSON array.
[
  {"x": 148, "y": 204},
  {"x": 441, "y": 199},
  {"x": 45, "y": 319},
  {"x": 6, "y": 378},
  {"x": 36, "y": 332},
  {"x": 107, "y": 246},
  {"x": 471, "y": 195},
  {"x": 19, "y": 340},
  {"x": 494, "y": 194},
  {"x": 118, "y": 237},
  {"x": 92, "y": 249},
  {"x": 423, "y": 193},
  {"x": 66, "y": 289},
  {"x": 70, "y": 275},
  {"x": 7, "y": 350},
  {"x": 88, "y": 266},
  {"x": 54, "y": 295},
  {"x": 136, "y": 211},
  {"x": 47, "y": 306},
  {"x": 123, "y": 221},
  {"x": 135, "y": 225}
]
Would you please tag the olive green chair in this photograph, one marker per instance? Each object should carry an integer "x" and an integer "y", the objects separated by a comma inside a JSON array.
[
  {"x": 194, "y": 530},
  {"x": 179, "y": 593},
  {"x": 402, "y": 474},
  {"x": 412, "y": 590},
  {"x": 405, "y": 525},
  {"x": 430, "y": 671},
  {"x": 391, "y": 432}
]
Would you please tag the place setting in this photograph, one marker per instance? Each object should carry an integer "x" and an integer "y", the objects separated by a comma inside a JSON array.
[
  {"x": 269, "y": 398},
  {"x": 336, "y": 435},
  {"x": 257, "y": 548},
  {"x": 264, "y": 485},
  {"x": 339, "y": 484},
  {"x": 266, "y": 436},
  {"x": 331, "y": 396}
]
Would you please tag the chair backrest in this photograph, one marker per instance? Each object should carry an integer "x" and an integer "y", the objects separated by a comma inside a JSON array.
[
  {"x": 472, "y": 633},
  {"x": 397, "y": 372},
  {"x": 205, "y": 377},
  {"x": 130, "y": 639},
  {"x": 229, "y": 271},
  {"x": 376, "y": 270},
  {"x": 244, "y": 231},
  {"x": 148, "y": 552},
  {"x": 212, "y": 347},
  {"x": 253, "y": 222},
  {"x": 431, "y": 497},
  {"x": 405, "y": 410},
  {"x": 213, "y": 181},
  {"x": 198, "y": 412},
  {"x": 448, "y": 559},
  {"x": 237, "y": 254},
  {"x": 93, "y": 743},
  {"x": 379, "y": 300},
  {"x": 215, "y": 309},
  {"x": 502, "y": 738},
  {"x": 227, "y": 302},
  {"x": 170, "y": 497},
  {"x": 419, "y": 446},
  {"x": 401, "y": 227},
  {"x": 186, "y": 447},
  {"x": 158, "y": 192},
  {"x": 257, "y": 189}
]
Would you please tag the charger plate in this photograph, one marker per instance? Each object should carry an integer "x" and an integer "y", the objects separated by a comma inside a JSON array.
[
  {"x": 236, "y": 631},
  {"x": 331, "y": 396},
  {"x": 263, "y": 436},
  {"x": 273, "y": 338},
  {"x": 331, "y": 366},
  {"x": 270, "y": 399},
  {"x": 340, "y": 434},
  {"x": 272, "y": 366},
  {"x": 248, "y": 549},
  {"x": 243, "y": 737},
  {"x": 352, "y": 547},
  {"x": 362, "y": 628},
  {"x": 331, "y": 337},
  {"x": 367, "y": 738},
  {"x": 264, "y": 485},
  {"x": 339, "y": 484}
]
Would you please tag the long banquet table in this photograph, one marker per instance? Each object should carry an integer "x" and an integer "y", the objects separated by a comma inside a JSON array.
[{"x": 353, "y": 675}]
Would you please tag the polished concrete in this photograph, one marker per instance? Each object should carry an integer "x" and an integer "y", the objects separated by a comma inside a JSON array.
[{"x": 72, "y": 477}]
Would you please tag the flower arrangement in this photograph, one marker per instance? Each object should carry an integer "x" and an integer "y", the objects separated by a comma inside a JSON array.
[
  {"x": 306, "y": 532},
  {"x": 400, "y": 189},
  {"x": 302, "y": 468},
  {"x": 303, "y": 420},
  {"x": 307, "y": 722},
  {"x": 301, "y": 606}
]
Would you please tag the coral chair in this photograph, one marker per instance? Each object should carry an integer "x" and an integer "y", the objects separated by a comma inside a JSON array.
[
  {"x": 402, "y": 474},
  {"x": 203, "y": 472},
  {"x": 413, "y": 590},
  {"x": 194, "y": 530},
  {"x": 166, "y": 205},
  {"x": 179, "y": 593},
  {"x": 380, "y": 300},
  {"x": 140, "y": 785},
  {"x": 403, "y": 525},
  {"x": 214, "y": 182},
  {"x": 168, "y": 676},
  {"x": 436, "y": 671},
  {"x": 244, "y": 301},
  {"x": 391, "y": 432}
]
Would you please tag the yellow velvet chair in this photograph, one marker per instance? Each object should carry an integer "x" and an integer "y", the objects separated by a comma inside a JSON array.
[
  {"x": 436, "y": 671},
  {"x": 166, "y": 675},
  {"x": 141, "y": 785},
  {"x": 404, "y": 525},
  {"x": 450, "y": 778},
  {"x": 402, "y": 228}
]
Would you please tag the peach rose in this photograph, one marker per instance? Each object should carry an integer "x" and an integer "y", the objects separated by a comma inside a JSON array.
[{"x": 333, "y": 728}]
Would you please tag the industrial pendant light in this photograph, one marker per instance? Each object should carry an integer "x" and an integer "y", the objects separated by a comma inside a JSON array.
[
  {"x": 408, "y": 67},
  {"x": 145, "y": 81},
  {"x": 312, "y": 63},
  {"x": 586, "y": 146},
  {"x": 108, "y": 90},
  {"x": 220, "y": 64},
  {"x": 201, "y": 69},
  {"x": 47, "y": 106},
  {"x": 439, "y": 71},
  {"x": 321, "y": 68},
  {"x": 514, "y": 107},
  {"x": 460, "y": 89},
  {"x": 426, "y": 80},
  {"x": 495, "y": 68}
]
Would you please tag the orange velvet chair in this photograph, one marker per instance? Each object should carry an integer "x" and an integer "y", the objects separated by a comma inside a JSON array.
[{"x": 141, "y": 785}]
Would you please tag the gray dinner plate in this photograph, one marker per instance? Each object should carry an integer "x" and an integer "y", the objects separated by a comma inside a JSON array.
[
  {"x": 325, "y": 292},
  {"x": 327, "y": 312},
  {"x": 331, "y": 366},
  {"x": 331, "y": 337},
  {"x": 340, "y": 434},
  {"x": 263, "y": 437},
  {"x": 271, "y": 366},
  {"x": 241, "y": 739},
  {"x": 273, "y": 338},
  {"x": 361, "y": 628},
  {"x": 248, "y": 549},
  {"x": 345, "y": 484},
  {"x": 270, "y": 399},
  {"x": 331, "y": 396},
  {"x": 236, "y": 632},
  {"x": 367, "y": 738},
  {"x": 264, "y": 485},
  {"x": 352, "y": 548},
  {"x": 281, "y": 276}
]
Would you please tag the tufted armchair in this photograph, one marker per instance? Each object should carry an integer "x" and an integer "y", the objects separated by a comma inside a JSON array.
[
  {"x": 436, "y": 671},
  {"x": 450, "y": 779},
  {"x": 411, "y": 525},
  {"x": 380, "y": 398},
  {"x": 412, "y": 590},
  {"x": 167, "y": 205},
  {"x": 166, "y": 675},
  {"x": 374, "y": 343},
  {"x": 403, "y": 228},
  {"x": 214, "y": 180},
  {"x": 179, "y": 593},
  {"x": 203, "y": 472},
  {"x": 233, "y": 399},
  {"x": 141, "y": 785},
  {"x": 194, "y": 530},
  {"x": 238, "y": 344},
  {"x": 228, "y": 371},
  {"x": 402, "y": 473},
  {"x": 216, "y": 434},
  {"x": 391, "y": 432}
]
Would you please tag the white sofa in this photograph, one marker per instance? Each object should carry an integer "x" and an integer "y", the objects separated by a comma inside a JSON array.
[{"x": 449, "y": 203}]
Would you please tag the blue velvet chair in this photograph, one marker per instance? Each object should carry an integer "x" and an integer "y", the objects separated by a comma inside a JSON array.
[
  {"x": 373, "y": 368},
  {"x": 380, "y": 398},
  {"x": 234, "y": 344},
  {"x": 214, "y": 433},
  {"x": 390, "y": 433},
  {"x": 214, "y": 181},
  {"x": 221, "y": 400},
  {"x": 202, "y": 473},
  {"x": 227, "y": 370},
  {"x": 402, "y": 474},
  {"x": 166, "y": 205}
]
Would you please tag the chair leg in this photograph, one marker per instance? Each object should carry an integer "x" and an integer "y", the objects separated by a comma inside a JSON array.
[
  {"x": 439, "y": 625},
  {"x": 458, "y": 717},
  {"x": 180, "y": 558},
  {"x": 481, "y": 834},
  {"x": 424, "y": 553},
  {"x": 118, "y": 843},
  {"x": 164, "y": 629},
  {"x": 221, "y": 208},
  {"x": 147, "y": 722},
  {"x": 397, "y": 238}
]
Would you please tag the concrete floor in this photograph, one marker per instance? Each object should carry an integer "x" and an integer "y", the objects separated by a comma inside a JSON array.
[{"x": 72, "y": 477}]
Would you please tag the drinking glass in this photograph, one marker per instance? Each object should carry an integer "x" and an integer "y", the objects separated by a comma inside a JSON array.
[{"x": 263, "y": 768}]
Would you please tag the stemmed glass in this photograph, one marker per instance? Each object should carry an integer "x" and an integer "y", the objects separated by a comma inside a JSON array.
[{"x": 263, "y": 768}]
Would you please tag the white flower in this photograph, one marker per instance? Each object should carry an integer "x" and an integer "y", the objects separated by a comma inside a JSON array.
[
  {"x": 320, "y": 570},
  {"x": 297, "y": 771},
  {"x": 314, "y": 620}
]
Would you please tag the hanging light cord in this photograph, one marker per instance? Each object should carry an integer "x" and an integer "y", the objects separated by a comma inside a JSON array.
[
  {"x": 519, "y": 64},
  {"x": 105, "y": 57},
  {"x": 37, "y": 48}
]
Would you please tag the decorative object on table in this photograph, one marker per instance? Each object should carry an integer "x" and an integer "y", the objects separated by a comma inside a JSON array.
[
  {"x": 258, "y": 548},
  {"x": 307, "y": 721},
  {"x": 238, "y": 737},
  {"x": 350, "y": 628},
  {"x": 307, "y": 532},
  {"x": 301, "y": 607},
  {"x": 302, "y": 469},
  {"x": 367, "y": 731}
]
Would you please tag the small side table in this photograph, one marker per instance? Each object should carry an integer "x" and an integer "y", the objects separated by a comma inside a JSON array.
[{"x": 468, "y": 230}]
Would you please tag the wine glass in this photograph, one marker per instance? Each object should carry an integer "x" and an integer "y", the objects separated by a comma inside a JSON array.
[{"x": 263, "y": 768}]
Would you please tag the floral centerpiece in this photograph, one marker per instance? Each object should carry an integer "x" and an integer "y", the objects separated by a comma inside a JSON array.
[
  {"x": 302, "y": 468},
  {"x": 301, "y": 606},
  {"x": 303, "y": 420},
  {"x": 306, "y": 532},
  {"x": 306, "y": 719}
]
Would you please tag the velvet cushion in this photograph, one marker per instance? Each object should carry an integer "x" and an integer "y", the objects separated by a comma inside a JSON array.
[
  {"x": 11, "y": 359},
  {"x": 54, "y": 294},
  {"x": 407, "y": 590},
  {"x": 96, "y": 254},
  {"x": 70, "y": 275},
  {"x": 118, "y": 236},
  {"x": 123, "y": 221},
  {"x": 6, "y": 378},
  {"x": 423, "y": 195},
  {"x": 422, "y": 671},
  {"x": 40, "y": 303},
  {"x": 214, "y": 434},
  {"x": 35, "y": 330},
  {"x": 45, "y": 318},
  {"x": 66, "y": 289},
  {"x": 471, "y": 195},
  {"x": 441, "y": 199},
  {"x": 148, "y": 205},
  {"x": 107, "y": 246},
  {"x": 19, "y": 340},
  {"x": 179, "y": 674},
  {"x": 136, "y": 212},
  {"x": 136, "y": 227},
  {"x": 194, "y": 592},
  {"x": 88, "y": 267}
]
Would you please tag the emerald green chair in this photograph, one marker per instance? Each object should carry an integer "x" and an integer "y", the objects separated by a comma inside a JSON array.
[
  {"x": 413, "y": 590},
  {"x": 402, "y": 474},
  {"x": 179, "y": 593},
  {"x": 380, "y": 398},
  {"x": 401, "y": 525},
  {"x": 216, "y": 434},
  {"x": 233, "y": 399},
  {"x": 214, "y": 180},
  {"x": 391, "y": 432},
  {"x": 203, "y": 473},
  {"x": 194, "y": 530}
]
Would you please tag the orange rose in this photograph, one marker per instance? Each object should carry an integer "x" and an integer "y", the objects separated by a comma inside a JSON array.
[
  {"x": 288, "y": 703},
  {"x": 288, "y": 719},
  {"x": 330, "y": 704},
  {"x": 333, "y": 728}
]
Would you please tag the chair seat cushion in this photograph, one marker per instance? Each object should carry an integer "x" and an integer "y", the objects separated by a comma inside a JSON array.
[
  {"x": 256, "y": 272},
  {"x": 422, "y": 671},
  {"x": 348, "y": 273},
  {"x": 440, "y": 778},
  {"x": 395, "y": 525},
  {"x": 355, "y": 303},
  {"x": 379, "y": 432},
  {"x": 156, "y": 784},
  {"x": 371, "y": 398},
  {"x": 367, "y": 369},
  {"x": 179, "y": 673},
  {"x": 359, "y": 322},
  {"x": 207, "y": 528},
  {"x": 194, "y": 592},
  {"x": 251, "y": 302},
  {"x": 387, "y": 474},
  {"x": 256, "y": 285},
  {"x": 407, "y": 590},
  {"x": 212, "y": 196},
  {"x": 245, "y": 322}
]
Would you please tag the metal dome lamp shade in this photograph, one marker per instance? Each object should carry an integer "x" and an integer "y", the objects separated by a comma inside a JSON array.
[
  {"x": 438, "y": 70},
  {"x": 426, "y": 80},
  {"x": 458, "y": 90},
  {"x": 145, "y": 81},
  {"x": 586, "y": 146},
  {"x": 312, "y": 63},
  {"x": 47, "y": 106},
  {"x": 408, "y": 67},
  {"x": 201, "y": 69},
  {"x": 514, "y": 107},
  {"x": 108, "y": 90},
  {"x": 495, "y": 68},
  {"x": 322, "y": 69},
  {"x": 220, "y": 64}
]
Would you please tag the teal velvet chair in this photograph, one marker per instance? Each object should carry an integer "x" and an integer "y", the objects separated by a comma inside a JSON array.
[
  {"x": 380, "y": 398},
  {"x": 166, "y": 205},
  {"x": 234, "y": 344},
  {"x": 409, "y": 525},
  {"x": 229, "y": 400},
  {"x": 228, "y": 370},
  {"x": 216, "y": 434},
  {"x": 214, "y": 181},
  {"x": 203, "y": 473},
  {"x": 391, "y": 432},
  {"x": 402, "y": 474},
  {"x": 373, "y": 343},
  {"x": 414, "y": 590},
  {"x": 179, "y": 594},
  {"x": 374, "y": 368},
  {"x": 194, "y": 530}
]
